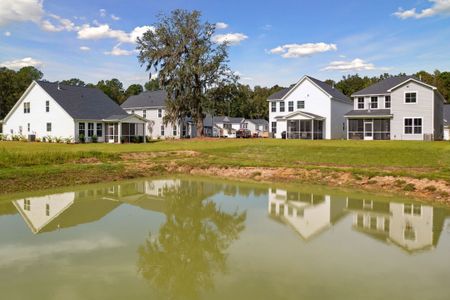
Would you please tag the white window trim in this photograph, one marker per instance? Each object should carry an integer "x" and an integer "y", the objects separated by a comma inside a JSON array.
[
  {"x": 363, "y": 102},
  {"x": 404, "y": 127},
  {"x": 304, "y": 104},
  {"x": 390, "y": 101},
  {"x": 410, "y": 92},
  {"x": 378, "y": 102}
]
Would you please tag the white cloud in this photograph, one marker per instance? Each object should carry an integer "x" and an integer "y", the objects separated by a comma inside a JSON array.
[
  {"x": 62, "y": 24},
  {"x": 230, "y": 38},
  {"x": 103, "y": 31},
  {"x": 439, "y": 7},
  {"x": 300, "y": 50},
  {"x": 20, "y": 63},
  {"x": 85, "y": 48},
  {"x": 354, "y": 65},
  {"x": 7, "y": 33},
  {"x": 20, "y": 11},
  {"x": 102, "y": 12},
  {"x": 221, "y": 25},
  {"x": 117, "y": 51},
  {"x": 114, "y": 17}
]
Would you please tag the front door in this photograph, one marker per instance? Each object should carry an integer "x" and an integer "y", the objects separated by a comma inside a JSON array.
[
  {"x": 111, "y": 133},
  {"x": 368, "y": 131}
]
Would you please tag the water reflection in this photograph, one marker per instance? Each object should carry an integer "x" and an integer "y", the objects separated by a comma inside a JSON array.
[
  {"x": 413, "y": 227},
  {"x": 190, "y": 247}
]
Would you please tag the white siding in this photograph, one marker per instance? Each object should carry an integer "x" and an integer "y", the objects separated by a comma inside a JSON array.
[
  {"x": 62, "y": 124},
  {"x": 155, "y": 123}
]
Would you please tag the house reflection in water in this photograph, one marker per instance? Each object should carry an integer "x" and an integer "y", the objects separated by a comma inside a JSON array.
[
  {"x": 411, "y": 226},
  {"x": 308, "y": 214},
  {"x": 51, "y": 212}
]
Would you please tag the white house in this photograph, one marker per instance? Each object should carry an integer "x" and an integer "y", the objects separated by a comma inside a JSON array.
[
  {"x": 151, "y": 105},
  {"x": 258, "y": 127},
  {"x": 222, "y": 126},
  {"x": 310, "y": 109},
  {"x": 397, "y": 108},
  {"x": 63, "y": 111},
  {"x": 447, "y": 122}
]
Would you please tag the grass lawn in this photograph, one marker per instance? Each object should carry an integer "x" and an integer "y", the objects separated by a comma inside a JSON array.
[{"x": 405, "y": 158}]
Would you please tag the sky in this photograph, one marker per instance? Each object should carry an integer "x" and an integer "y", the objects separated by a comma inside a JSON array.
[{"x": 271, "y": 42}]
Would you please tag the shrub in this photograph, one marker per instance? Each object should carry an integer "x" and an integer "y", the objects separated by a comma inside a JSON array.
[
  {"x": 399, "y": 182},
  {"x": 68, "y": 140},
  {"x": 15, "y": 137},
  {"x": 3, "y": 137},
  {"x": 140, "y": 139},
  {"x": 82, "y": 138},
  {"x": 409, "y": 187},
  {"x": 38, "y": 140},
  {"x": 430, "y": 188},
  {"x": 58, "y": 140},
  {"x": 94, "y": 139}
]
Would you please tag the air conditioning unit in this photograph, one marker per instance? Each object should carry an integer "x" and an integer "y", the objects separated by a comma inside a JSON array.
[{"x": 428, "y": 137}]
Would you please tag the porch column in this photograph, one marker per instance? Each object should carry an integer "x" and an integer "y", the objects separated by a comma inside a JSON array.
[
  {"x": 144, "y": 129},
  {"x": 346, "y": 128},
  {"x": 312, "y": 129},
  {"x": 119, "y": 133}
]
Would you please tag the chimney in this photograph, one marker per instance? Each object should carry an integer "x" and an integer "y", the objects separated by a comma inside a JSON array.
[{"x": 59, "y": 88}]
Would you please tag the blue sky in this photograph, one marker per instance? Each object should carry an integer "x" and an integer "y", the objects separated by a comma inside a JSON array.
[{"x": 273, "y": 42}]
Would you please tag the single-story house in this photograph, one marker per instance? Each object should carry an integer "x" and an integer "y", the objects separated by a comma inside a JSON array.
[
  {"x": 258, "y": 127},
  {"x": 396, "y": 108},
  {"x": 310, "y": 109},
  {"x": 53, "y": 110}
]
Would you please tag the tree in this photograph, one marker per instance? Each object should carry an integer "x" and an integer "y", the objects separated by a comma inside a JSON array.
[
  {"x": 113, "y": 88},
  {"x": 152, "y": 85},
  {"x": 188, "y": 62},
  {"x": 134, "y": 89},
  {"x": 74, "y": 82}
]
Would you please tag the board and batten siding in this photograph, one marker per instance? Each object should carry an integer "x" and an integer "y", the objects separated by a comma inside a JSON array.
[
  {"x": 337, "y": 119},
  {"x": 423, "y": 108},
  {"x": 438, "y": 116},
  {"x": 63, "y": 124}
]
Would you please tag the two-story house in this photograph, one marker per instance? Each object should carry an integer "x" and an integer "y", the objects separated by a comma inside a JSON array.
[
  {"x": 310, "y": 109},
  {"x": 397, "y": 108},
  {"x": 151, "y": 105}
]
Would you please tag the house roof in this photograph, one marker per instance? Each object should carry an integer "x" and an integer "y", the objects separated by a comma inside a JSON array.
[
  {"x": 447, "y": 114},
  {"x": 333, "y": 92},
  {"x": 258, "y": 121},
  {"x": 82, "y": 103},
  {"x": 369, "y": 112},
  {"x": 383, "y": 86},
  {"x": 146, "y": 99},
  {"x": 303, "y": 113}
]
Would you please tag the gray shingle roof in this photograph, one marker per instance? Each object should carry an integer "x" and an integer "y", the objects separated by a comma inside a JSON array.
[
  {"x": 258, "y": 121},
  {"x": 333, "y": 92},
  {"x": 82, "y": 103},
  {"x": 146, "y": 99},
  {"x": 383, "y": 86},
  {"x": 447, "y": 114},
  {"x": 367, "y": 112},
  {"x": 208, "y": 121}
]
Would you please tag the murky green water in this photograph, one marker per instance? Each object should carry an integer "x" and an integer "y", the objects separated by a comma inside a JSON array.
[{"x": 197, "y": 239}]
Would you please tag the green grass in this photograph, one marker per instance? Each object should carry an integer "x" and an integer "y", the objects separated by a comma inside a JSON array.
[{"x": 407, "y": 158}]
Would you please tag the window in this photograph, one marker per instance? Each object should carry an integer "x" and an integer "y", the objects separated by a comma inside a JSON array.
[
  {"x": 90, "y": 129},
  {"x": 160, "y": 113},
  {"x": 144, "y": 114},
  {"x": 281, "y": 106},
  {"x": 274, "y": 127},
  {"x": 244, "y": 125},
  {"x": 373, "y": 102},
  {"x": 300, "y": 104},
  {"x": 81, "y": 129},
  {"x": 274, "y": 106},
  {"x": 361, "y": 103},
  {"x": 291, "y": 106},
  {"x": 47, "y": 210},
  {"x": 99, "y": 129},
  {"x": 162, "y": 130},
  {"x": 409, "y": 233},
  {"x": 47, "y": 106},
  {"x": 387, "y": 102},
  {"x": 20, "y": 130},
  {"x": 411, "y": 97},
  {"x": 174, "y": 130},
  {"x": 28, "y": 127},
  {"x": 49, "y": 127},
  {"x": 26, "y": 204},
  {"x": 26, "y": 107},
  {"x": 132, "y": 111},
  {"x": 413, "y": 125}
]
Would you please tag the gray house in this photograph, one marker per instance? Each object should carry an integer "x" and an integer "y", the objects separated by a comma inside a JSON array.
[
  {"x": 447, "y": 122},
  {"x": 397, "y": 108}
]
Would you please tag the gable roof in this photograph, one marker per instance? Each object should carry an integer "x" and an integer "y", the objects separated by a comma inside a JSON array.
[
  {"x": 82, "y": 103},
  {"x": 447, "y": 114},
  {"x": 146, "y": 99},
  {"x": 325, "y": 87},
  {"x": 383, "y": 86},
  {"x": 258, "y": 121}
]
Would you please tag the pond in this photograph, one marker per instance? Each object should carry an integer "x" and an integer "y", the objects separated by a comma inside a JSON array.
[{"x": 188, "y": 238}]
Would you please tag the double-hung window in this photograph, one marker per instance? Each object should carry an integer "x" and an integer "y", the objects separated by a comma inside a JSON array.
[
  {"x": 162, "y": 130},
  {"x": 26, "y": 107},
  {"x": 90, "y": 129},
  {"x": 160, "y": 113},
  {"x": 373, "y": 102},
  {"x": 49, "y": 127},
  {"x": 282, "y": 106},
  {"x": 413, "y": 125},
  {"x": 411, "y": 97},
  {"x": 300, "y": 104},
  {"x": 274, "y": 127},
  {"x": 99, "y": 129},
  {"x": 174, "y": 133},
  {"x": 387, "y": 102},
  {"x": 144, "y": 114},
  {"x": 291, "y": 106},
  {"x": 47, "y": 106},
  {"x": 81, "y": 129},
  {"x": 360, "y": 102},
  {"x": 274, "y": 106}
]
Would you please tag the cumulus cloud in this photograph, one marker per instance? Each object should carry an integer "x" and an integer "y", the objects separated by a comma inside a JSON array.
[
  {"x": 61, "y": 24},
  {"x": 20, "y": 63},
  {"x": 104, "y": 31},
  {"x": 438, "y": 7},
  {"x": 230, "y": 38},
  {"x": 117, "y": 51},
  {"x": 20, "y": 11},
  {"x": 300, "y": 50},
  {"x": 221, "y": 25},
  {"x": 7, "y": 33},
  {"x": 354, "y": 65},
  {"x": 85, "y": 48}
]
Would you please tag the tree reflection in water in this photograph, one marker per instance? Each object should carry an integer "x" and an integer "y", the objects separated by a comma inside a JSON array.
[{"x": 191, "y": 246}]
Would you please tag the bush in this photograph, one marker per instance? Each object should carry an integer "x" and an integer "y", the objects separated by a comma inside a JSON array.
[
  {"x": 3, "y": 137},
  {"x": 399, "y": 182},
  {"x": 15, "y": 137},
  {"x": 409, "y": 187},
  {"x": 82, "y": 138},
  {"x": 430, "y": 188},
  {"x": 58, "y": 140},
  {"x": 140, "y": 139},
  {"x": 68, "y": 140},
  {"x": 94, "y": 139}
]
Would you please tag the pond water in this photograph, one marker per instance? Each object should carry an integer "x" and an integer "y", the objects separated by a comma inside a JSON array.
[{"x": 183, "y": 238}]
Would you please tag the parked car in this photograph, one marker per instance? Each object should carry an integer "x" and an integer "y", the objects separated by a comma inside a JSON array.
[{"x": 243, "y": 133}]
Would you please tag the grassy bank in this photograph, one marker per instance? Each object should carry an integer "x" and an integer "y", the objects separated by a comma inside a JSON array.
[{"x": 20, "y": 162}]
